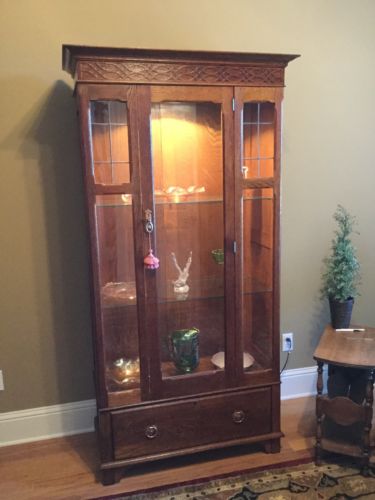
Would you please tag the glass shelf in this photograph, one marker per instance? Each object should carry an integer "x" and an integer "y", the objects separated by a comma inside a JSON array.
[
  {"x": 208, "y": 288},
  {"x": 130, "y": 393},
  {"x": 205, "y": 365},
  {"x": 122, "y": 200}
]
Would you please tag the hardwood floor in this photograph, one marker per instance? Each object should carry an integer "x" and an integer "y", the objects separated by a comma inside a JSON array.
[{"x": 65, "y": 468}]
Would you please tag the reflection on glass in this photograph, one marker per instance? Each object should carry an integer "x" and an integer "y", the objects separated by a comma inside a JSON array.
[
  {"x": 109, "y": 142},
  {"x": 257, "y": 207},
  {"x": 188, "y": 179},
  {"x": 258, "y": 139},
  {"x": 114, "y": 225},
  {"x": 124, "y": 372}
]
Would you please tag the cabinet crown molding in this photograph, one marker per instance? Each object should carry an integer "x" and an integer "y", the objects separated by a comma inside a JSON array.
[{"x": 104, "y": 64}]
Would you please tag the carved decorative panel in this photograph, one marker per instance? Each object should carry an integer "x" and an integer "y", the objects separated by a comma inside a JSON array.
[{"x": 172, "y": 73}]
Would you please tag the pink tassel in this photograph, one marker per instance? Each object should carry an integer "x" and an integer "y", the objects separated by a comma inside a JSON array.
[{"x": 150, "y": 261}]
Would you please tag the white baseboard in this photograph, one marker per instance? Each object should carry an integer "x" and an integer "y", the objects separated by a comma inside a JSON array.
[
  {"x": 48, "y": 422},
  {"x": 300, "y": 382}
]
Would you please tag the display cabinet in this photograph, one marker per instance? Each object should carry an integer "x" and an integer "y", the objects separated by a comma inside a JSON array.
[{"x": 181, "y": 162}]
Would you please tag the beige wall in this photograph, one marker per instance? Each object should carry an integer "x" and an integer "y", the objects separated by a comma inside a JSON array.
[{"x": 328, "y": 137}]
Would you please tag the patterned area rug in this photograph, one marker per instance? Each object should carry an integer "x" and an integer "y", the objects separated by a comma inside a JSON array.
[{"x": 303, "y": 482}]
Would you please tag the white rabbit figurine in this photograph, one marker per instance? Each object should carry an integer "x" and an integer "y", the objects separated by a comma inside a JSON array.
[{"x": 180, "y": 285}]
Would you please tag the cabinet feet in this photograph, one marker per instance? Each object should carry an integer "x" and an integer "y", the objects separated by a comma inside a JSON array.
[
  {"x": 272, "y": 446},
  {"x": 110, "y": 476},
  {"x": 318, "y": 454}
]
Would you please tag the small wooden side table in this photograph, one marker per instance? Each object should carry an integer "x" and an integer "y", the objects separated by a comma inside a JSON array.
[{"x": 351, "y": 350}]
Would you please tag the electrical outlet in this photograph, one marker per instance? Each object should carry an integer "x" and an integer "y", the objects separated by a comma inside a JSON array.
[
  {"x": 288, "y": 343},
  {"x": 1, "y": 381}
]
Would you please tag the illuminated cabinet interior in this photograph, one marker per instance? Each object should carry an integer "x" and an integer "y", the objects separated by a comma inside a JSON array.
[{"x": 181, "y": 162}]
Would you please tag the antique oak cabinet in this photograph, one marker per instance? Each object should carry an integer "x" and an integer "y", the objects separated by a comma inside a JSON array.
[{"x": 181, "y": 163}]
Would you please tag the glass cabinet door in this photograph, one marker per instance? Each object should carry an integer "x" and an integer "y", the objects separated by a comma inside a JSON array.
[
  {"x": 187, "y": 135},
  {"x": 110, "y": 142},
  {"x": 110, "y": 177},
  {"x": 257, "y": 176},
  {"x": 257, "y": 277},
  {"x": 206, "y": 318}
]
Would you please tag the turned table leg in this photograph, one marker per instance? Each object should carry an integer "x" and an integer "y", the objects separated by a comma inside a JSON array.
[
  {"x": 319, "y": 415},
  {"x": 368, "y": 422}
]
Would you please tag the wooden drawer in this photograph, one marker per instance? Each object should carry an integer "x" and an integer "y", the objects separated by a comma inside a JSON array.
[{"x": 150, "y": 430}]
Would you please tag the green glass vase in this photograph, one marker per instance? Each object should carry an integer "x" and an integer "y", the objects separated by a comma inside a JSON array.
[{"x": 184, "y": 349}]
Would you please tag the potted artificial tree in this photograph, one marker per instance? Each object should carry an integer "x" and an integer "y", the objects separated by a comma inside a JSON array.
[{"x": 341, "y": 276}]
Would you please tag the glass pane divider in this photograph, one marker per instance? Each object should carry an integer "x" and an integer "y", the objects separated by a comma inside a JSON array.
[
  {"x": 257, "y": 123},
  {"x": 125, "y": 188},
  {"x": 261, "y": 197},
  {"x": 111, "y": 161},
  {"x": 107, "y": 124},
  {"x": 261, "y": 182},
  {"x": 258, "y": 158}
]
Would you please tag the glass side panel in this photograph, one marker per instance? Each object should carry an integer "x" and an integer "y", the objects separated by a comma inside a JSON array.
[
  {"x": 257, "y": 206},
  {"x": 110, "y": 142},
  {"x": 258, "y": 139},
  {"x": 114, "y": 225},
  {"x": 188, "y": 177}
]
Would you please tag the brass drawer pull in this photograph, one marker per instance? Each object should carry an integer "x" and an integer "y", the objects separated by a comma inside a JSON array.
[
  {"x": 151, "y": 431},
  {"x": 238, "y": 416}
]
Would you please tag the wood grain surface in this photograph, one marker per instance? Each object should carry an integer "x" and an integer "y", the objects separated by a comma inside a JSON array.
[
  {"x": 65, "y": 468},
  {"x": 352, "y": 349}
]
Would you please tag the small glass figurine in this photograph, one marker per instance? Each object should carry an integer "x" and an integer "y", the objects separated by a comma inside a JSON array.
[{"x": 180, "y": 286}]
